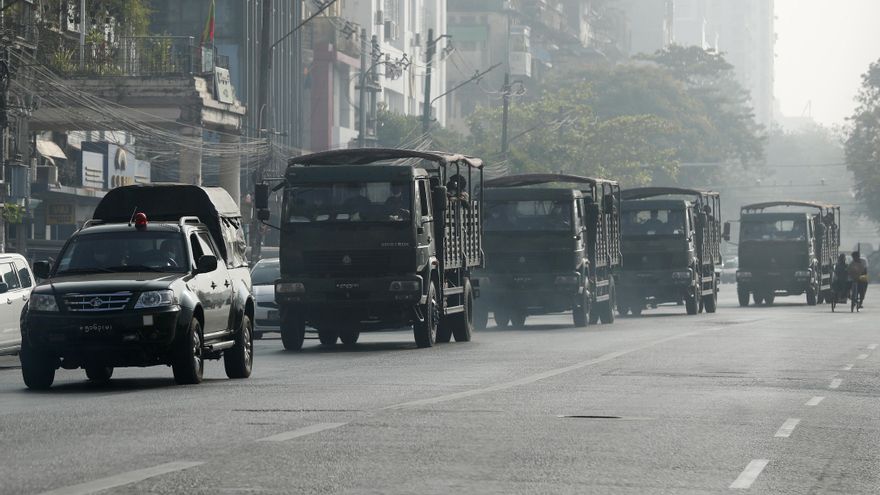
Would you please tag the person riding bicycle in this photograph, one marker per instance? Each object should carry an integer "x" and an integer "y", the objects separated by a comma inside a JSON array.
[
  {"x": 858, "y": 274},
  {"x": 841, "y": 279}
]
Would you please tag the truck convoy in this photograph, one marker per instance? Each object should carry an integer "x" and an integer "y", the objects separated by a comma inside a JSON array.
[
  {"x": 549, "y": 248},
  {"x": 379, "y": 239},
  {"x": 157, "y": 277},
  {"x": 672, "y": 247},
  {"x": 786, "y": 251}
]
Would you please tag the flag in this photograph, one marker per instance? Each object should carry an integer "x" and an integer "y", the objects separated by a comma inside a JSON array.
[{"x": 208, "y": 33}]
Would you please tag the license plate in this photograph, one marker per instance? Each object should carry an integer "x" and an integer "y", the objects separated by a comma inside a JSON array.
[
  {"x": 273, "y": 315},
  {"x": 96, "y": 329}
]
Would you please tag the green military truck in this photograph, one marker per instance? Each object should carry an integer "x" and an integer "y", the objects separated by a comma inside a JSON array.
[
  {"x": 672, "y": 248},
  {"x": 787, "y": 248},
  {"x": 378, "y": 239},
  {"x": 549, "y": 248}
]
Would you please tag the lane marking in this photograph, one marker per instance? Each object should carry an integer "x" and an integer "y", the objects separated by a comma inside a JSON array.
[
  {"x": 122, "y": 479},
  {"x": 872, "y": 347},
  {"x": 814, "y": 401},
  {"x": 862, "y": 356},
  {"x": 308, "y": 430},
  {"x": 835, "y": 383},
  {"x": 541, "y": 376},
  {"x": 749, "y": 474},
  {"x": 787, "y": 428},
  {"x": 847, "y": 367}
]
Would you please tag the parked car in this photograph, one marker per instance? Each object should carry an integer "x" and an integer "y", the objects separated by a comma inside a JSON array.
[
  {"x": 728, "y": 271},
  {"x": 266, "y": 316},
  {"x": 15, "y": 289}
]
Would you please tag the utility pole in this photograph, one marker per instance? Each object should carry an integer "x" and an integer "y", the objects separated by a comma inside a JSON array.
[
  {"x": 262, "y": 106},
  {"x": 297, "y": 139},
  {"x": 82, "y": 34},
  {"x": 362, "y": 93},
  {"x": 505, "y": 92},
  {"x": 426, "y": 112}
]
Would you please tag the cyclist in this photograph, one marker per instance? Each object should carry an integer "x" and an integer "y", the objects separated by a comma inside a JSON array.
[
  {"x": 841, "y": 277},
  {"x": 858, "y": 274}
]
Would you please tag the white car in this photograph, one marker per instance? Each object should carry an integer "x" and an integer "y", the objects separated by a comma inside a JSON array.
[
  {"x": 263, "y": 277},
  {"x": 16, "y": 282}
]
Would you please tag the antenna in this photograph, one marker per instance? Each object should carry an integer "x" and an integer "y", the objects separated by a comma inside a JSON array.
[{"x": 133, "y": 213}]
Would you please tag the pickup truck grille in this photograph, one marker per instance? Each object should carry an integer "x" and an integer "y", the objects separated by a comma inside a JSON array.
[{"x": 91, "y": 303}]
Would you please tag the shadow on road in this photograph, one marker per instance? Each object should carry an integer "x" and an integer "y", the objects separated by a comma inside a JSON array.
[{"x": 115, "y": 385}]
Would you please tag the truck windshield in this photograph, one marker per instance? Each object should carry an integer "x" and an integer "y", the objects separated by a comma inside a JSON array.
[
  {"x": 774, "y": 230},
  {"x": 528, "y": 215},
  {"x": 349, "y": 202},
  {"x": 124, "y": 252},
  {"x": 653, "y": 222}
]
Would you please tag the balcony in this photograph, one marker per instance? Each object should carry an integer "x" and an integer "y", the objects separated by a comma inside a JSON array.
[{"x": 335, "y": 31}]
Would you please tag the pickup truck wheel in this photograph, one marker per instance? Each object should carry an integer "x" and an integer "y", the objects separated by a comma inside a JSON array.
[
  {"x": 743, "y": 296},
  {"x": 293, "y": 331},
  {"x": 350, "y": 336},
  {"x": 188, "y": 365},
  {"x": 99, "y": 374},
  {"x": 328, "y": 336},
  {"x": 463, "y": 323},
  {"x": 37, "y": 368},
  {"x": 425, "y": 332},
  {"x": 581, "y": 311},
  {"x": 239, "y": 359}
]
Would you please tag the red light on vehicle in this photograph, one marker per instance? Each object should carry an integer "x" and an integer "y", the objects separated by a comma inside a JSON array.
[{"x": 140, "y": 221}]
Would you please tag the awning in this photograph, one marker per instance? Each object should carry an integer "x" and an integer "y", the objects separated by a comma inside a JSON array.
[{"x": 49, "y": 149}]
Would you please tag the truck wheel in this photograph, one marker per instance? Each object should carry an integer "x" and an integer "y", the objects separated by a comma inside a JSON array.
[
  {"x": 502, "y": 317},
  {"x": 463, "y": 323},
  {"x": 758, "y": 299},
  {"x": 692, "y": 303},
  {"x": 187, "y": 364},
  {"x": 769, "y": 299},
  {"x": 425, "y": 332},
  {"x": 711, "y": 301},
  {"x": 37, "y": 369},
  {"x": 349, "y": 336},
  {"x": 99, "y": 374},
  {"x": 743, "y": 296},
  {"x": 238, "y": 360},
  {"x": 636, "y": 310},
  {"x": 293, "y": 331},
  {"x": 444, "y": 330},
  {"x": 581, "y": 311},
  {"x": 328, "y": 336},
  {"x": 481, "y": 317},
  {"x": 594, "y": 314},
  {"x": 606, "y": 313},
  {"x": 518, "y": 319}
]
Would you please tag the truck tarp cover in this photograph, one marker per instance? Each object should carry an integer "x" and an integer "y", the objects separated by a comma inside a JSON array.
[{"x": 168, "y": 202}]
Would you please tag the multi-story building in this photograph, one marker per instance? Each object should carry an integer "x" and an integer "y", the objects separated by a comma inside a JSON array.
[{"x": 650, "y": 24}]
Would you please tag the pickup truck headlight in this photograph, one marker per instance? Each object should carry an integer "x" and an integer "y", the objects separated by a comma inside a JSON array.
[
  {"x": 405, "y": 286},
  {"x": 155, "y": 299},
  {"x": 290, "y": 288},
  {"x": 681, "y": 275},
  {"x": 566, "y": 280},
  {"x": 42, "y": 302},
  {"x": 743, "y": 275},
  {"x": 802, "y": 274}
]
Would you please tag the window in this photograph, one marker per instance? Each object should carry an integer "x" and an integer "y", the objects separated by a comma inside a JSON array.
[
  {"x": 124, "y": 252},
  {"x": 423, "y": 199},
  {"x": 655, "y": 221},
  {"x": 7, "y": 270},
  {"x": 529, "y": 215},
  {"x": 349, "y": 202},
  {"x": 196, "y": 246},
  {"x": 207, "y": 245},
  {"x": 24, "y": 275}
]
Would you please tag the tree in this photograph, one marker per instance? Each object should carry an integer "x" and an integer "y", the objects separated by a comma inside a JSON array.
[{"x": 862, "y": 144}]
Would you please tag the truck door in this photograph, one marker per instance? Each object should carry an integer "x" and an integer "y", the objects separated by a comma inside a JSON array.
[
  {"x": 425, "y": 225},
  {"x": 214, "y": 289}
]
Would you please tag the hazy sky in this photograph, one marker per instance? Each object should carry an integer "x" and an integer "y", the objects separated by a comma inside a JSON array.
[{"x": 822, "y": 50}]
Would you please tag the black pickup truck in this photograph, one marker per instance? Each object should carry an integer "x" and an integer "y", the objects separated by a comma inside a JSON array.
[{"x": 158, "y": 277}]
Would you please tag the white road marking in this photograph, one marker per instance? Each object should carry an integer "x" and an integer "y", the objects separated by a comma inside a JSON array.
[
  {"x": 872, "y": 347},
  {"x": 308, "y": 430},
  {"x": 787, "y": 428},
  {"x": 835, "y": 383},
  {"x": 541, "y": 376},
  {"x": 749, "y": 474},
  {"x": 847, "y": 367},
  {"x": 814, "y": 401},
  {"x": 122, "y": 479},
  {"x": 862, "y": 356}
]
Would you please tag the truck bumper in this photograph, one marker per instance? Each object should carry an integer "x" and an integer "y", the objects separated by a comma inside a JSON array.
[
  {"x": 534, "y": 293},
  {"x": 658, "y": 285},
  {"x": 787, "y": 282}
]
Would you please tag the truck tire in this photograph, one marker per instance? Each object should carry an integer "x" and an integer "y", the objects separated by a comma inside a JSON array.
[
  {"x": 710, "y": 302},
  {"x": 759, "y": 299},
  {"x": 425, "y": 332},
  {"x": 501, "y": 316},
  {"x": 594, "y": 314},
  {"x": 518, "y": 318},
  {"x": 293, "y": 331},
  {"x": 98, "y": 373},
  {"x": 581, "y": 311},
  {"x": 444, "y": 331},
  {"x": 481, "y": 317},
  {"x": 238, "y": 360},
  {"x": 692, "y": 303},
  {"x": 769, "y": 299},
  {"x": 328, "y": 336},
  {"x": 187, "y": 363},
  {"x": 463, "y": 323},
  {"x": 636, "y": 310},
  {"x": 37, "y": 368},
  {"x": 743, "y": 296},
  {"x": 606, "y": 313},
  {"x": 349, "y": 336}
]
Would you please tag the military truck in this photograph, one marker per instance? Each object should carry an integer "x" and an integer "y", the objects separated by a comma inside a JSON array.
[
  {"x": 157, "y": 277},
  {"x": 549, "y": 248},
  {"x": 787, "y": 251},
  {"x": 379, "y": 239},
  {"x": 672, "y": 249}
]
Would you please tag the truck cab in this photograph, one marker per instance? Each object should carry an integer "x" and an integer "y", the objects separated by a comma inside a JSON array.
[
  {"x": 379, "y": 239},
  {"x": 141, "y": 289}
]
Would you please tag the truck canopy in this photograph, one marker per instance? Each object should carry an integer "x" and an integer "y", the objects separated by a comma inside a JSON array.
[
  {"x": 360, "y": 156},
  {"x": 169, "y": 202}
]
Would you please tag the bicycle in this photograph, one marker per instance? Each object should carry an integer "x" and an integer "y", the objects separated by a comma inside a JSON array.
[{"x": 855, "y": 301}]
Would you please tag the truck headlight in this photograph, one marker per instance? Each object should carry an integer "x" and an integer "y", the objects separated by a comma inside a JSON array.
[
  {"x": 802, "y": 274},
  {"x": 566, "y": 280},
  {"x": 42, "y": 302},
  {"x": 743, "y": 275},
  {"x": 290, "y": 288},
  {"x": 155, "y": 299},
  {"x": 681, "y": 275},
  {"x": 405, "y": 286}
]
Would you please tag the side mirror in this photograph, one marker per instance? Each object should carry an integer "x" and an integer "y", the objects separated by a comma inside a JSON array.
[
  {"x": 207, "y": 263},
  {"x": 4, "y": 287},
  {"x": 440, "y": 199},
  {"x": 41, "y": 269},
  {"x": 726, "y": 234},
  {"x": 261, "y": 196}
]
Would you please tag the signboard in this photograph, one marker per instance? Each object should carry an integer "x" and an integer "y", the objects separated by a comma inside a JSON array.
[
  {"x": 60, "y": 214},
  {"x": 223, "y": 90}
]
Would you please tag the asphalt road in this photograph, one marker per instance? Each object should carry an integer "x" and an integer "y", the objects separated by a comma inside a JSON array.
[{"x": 776, "y": 399}]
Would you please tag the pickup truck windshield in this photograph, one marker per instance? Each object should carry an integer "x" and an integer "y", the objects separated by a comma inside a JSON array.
[
  {"x": 528, "y": 215},
  {"x": 385, "y": 202},
  {"x": 653, "y": 222},
  {"x": 124, "y": 252},
  {"x": 774, "y": 230}
]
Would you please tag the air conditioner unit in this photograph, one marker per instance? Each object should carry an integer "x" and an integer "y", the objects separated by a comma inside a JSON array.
[
  {"x": 390, "y": 30},
  {"x": 417, "y": 39},
  {"x": 380, "y": 18}
]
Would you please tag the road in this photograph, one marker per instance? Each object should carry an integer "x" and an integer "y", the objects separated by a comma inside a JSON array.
[{"x": 775, "y": 400}]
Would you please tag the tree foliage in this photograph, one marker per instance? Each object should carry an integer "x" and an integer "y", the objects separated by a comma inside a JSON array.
[{"x": 862, "y": 144}]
